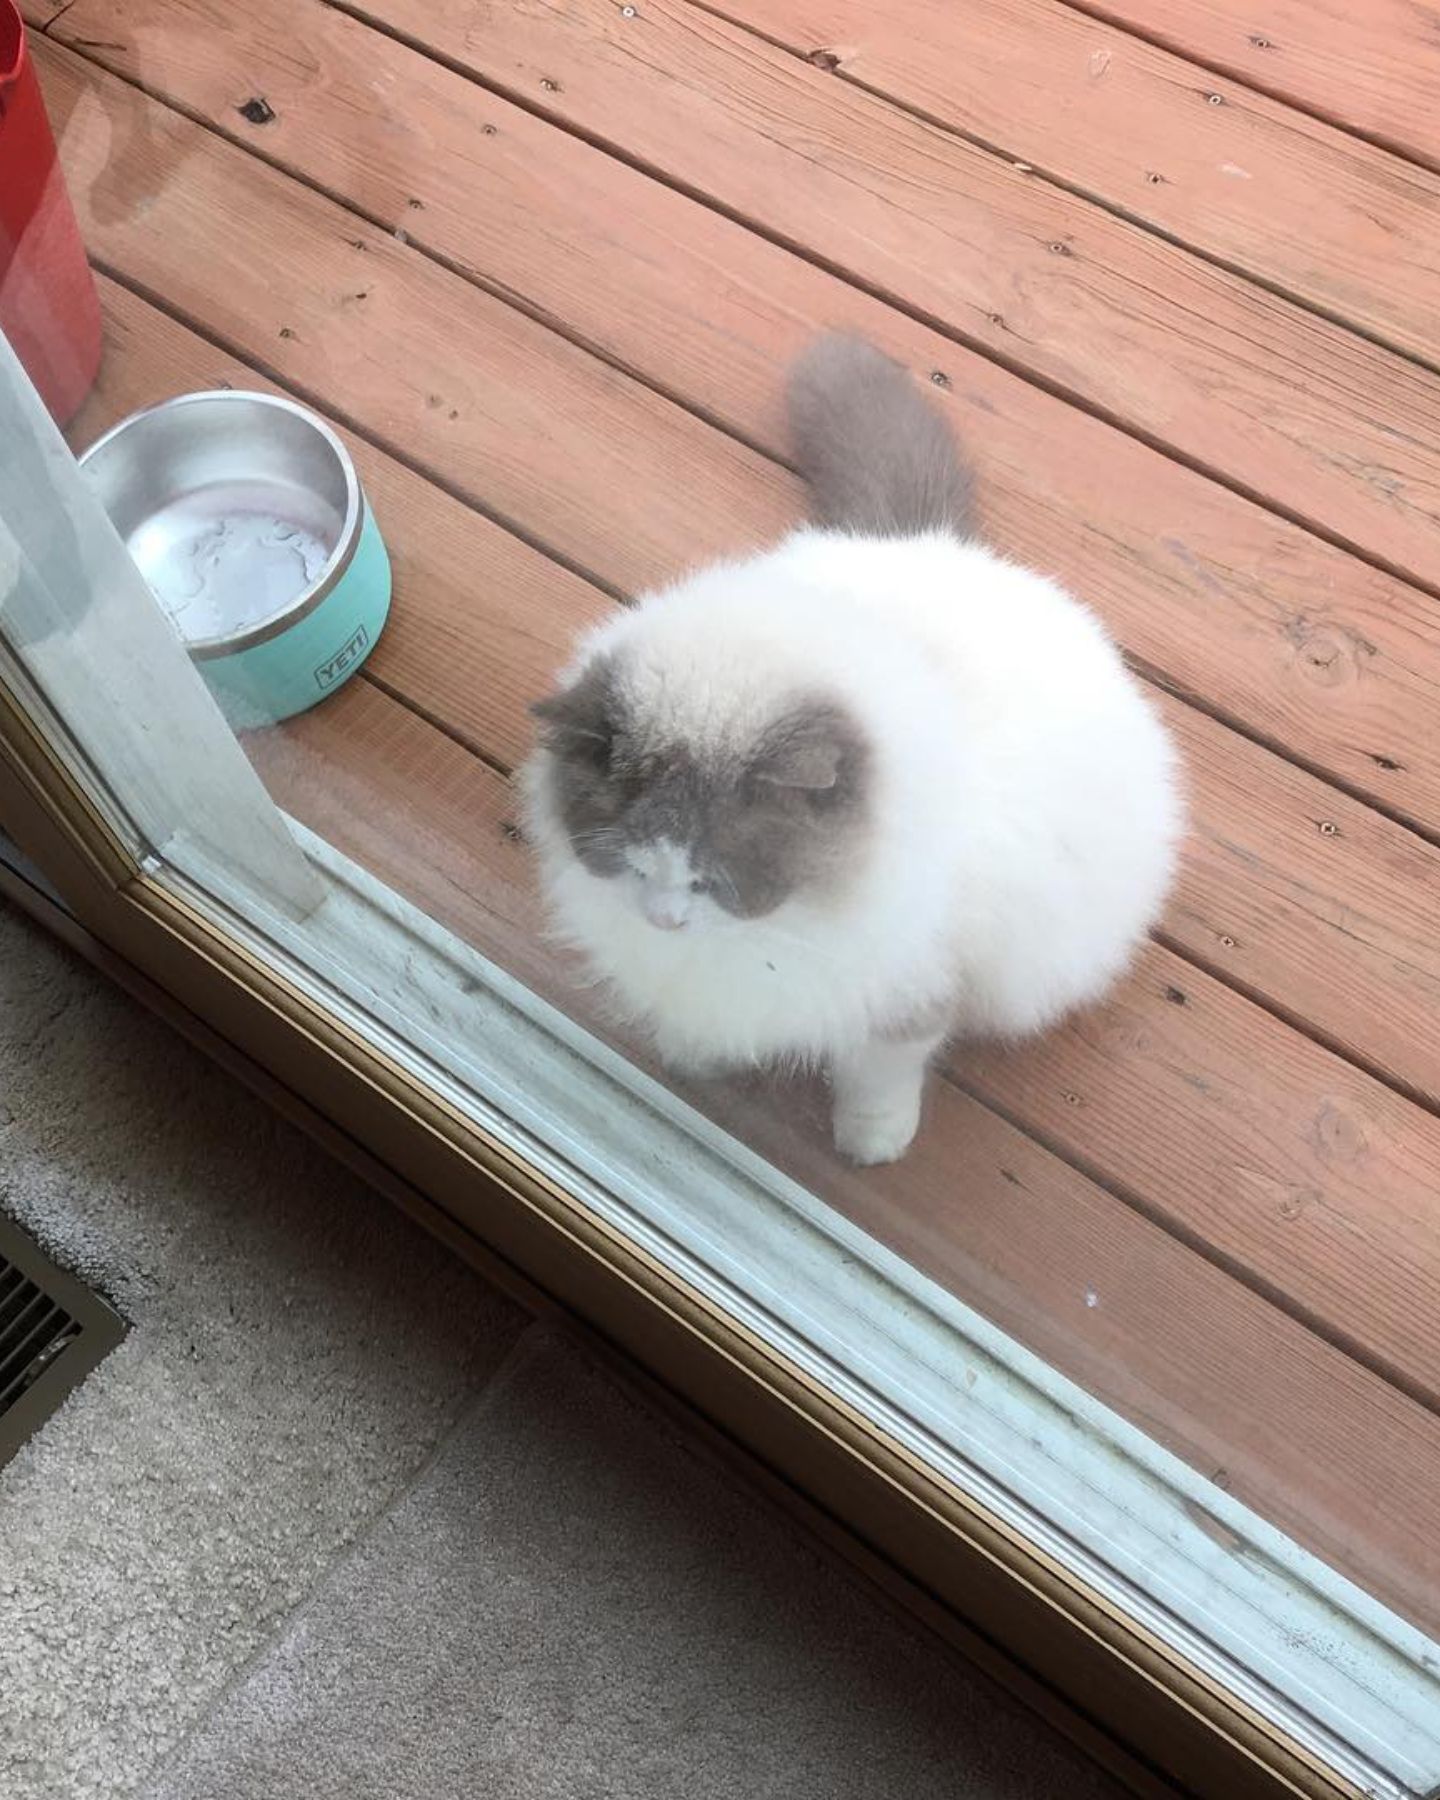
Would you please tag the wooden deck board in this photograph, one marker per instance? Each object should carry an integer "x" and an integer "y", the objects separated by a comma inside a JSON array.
[
  {"x": 1238, "y": 1130},
  {"x": 1373, "y": 68},
  {"x": 1297, "y": 409},
  {"x": 1232, "y": 606},
  {"x": 1223, "y": 169},
  {"x": 1302, "y": 644},
  {"x": 1311, "y": 901},
  {"x": 1182, "y": 1136}
]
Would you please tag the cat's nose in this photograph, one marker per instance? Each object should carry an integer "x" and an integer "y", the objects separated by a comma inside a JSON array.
[{"x": 667, "y": 912}]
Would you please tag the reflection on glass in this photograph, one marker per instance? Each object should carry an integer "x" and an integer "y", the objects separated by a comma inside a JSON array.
[{"x": 1159, "y": 1282}]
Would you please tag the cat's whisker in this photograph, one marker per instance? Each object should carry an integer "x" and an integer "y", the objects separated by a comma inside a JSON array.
[
  {"x": 605, "y": 837},
  {"x": 722, "y": 873}
]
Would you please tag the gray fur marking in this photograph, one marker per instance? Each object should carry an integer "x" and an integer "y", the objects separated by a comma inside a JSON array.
[
  {"x": 759, "y": 821},
  {"x": 875, "y": 453}
]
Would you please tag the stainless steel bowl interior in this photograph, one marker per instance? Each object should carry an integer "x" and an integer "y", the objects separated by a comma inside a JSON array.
[{"x": 241, "y": 510}]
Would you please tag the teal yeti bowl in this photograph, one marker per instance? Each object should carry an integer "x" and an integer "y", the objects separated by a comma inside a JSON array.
[{"x": 245, "y": 515}]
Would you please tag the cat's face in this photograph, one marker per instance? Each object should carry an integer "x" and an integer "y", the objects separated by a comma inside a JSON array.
[{"x": 708, "y": 826}]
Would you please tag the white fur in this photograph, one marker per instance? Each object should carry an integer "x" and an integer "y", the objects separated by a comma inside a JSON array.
[{"x": 1025, "y": 814}]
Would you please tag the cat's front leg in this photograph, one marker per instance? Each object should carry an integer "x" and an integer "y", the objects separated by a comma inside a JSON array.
[{"x": 877, "y": 1091}]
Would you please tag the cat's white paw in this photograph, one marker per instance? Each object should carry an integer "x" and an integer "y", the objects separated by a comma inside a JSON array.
[{"x": 869, "y": 1136}]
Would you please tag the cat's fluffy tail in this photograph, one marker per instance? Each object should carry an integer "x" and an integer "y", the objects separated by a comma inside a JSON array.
[{"x": 875, "y": 453}]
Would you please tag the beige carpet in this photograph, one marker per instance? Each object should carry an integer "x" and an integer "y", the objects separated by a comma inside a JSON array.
[{"x": 337, "y": 1521}]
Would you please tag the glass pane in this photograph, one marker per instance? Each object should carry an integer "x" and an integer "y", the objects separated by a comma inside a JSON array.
[{"x": 1158, "y": 1282}]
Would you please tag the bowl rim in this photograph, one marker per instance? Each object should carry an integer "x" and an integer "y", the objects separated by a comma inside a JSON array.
[{"x": 336, "y": 563}]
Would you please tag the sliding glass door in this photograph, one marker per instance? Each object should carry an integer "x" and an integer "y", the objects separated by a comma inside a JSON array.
[{"x": 857, "y": 1331}]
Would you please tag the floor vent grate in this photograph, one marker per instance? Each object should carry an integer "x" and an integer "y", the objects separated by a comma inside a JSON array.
[{"x": 53, "y": 1331}]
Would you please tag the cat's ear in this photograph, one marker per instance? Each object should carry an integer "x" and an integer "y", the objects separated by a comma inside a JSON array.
[
  {"x": 815, "y": 749},
  {"x": 580, "y": 721}
]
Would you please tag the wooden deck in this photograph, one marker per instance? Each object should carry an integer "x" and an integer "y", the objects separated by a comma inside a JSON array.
[{"x": 1178, "y": 279}]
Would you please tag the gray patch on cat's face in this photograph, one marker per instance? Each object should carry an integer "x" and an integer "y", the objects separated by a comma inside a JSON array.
[{"x": 759, "y": 821}]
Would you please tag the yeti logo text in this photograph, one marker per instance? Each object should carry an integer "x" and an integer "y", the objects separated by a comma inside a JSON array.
[{"x": 344, "y": 659}]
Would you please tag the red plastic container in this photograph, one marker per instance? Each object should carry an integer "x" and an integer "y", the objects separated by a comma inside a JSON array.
[{"x": 49, "y": 309}]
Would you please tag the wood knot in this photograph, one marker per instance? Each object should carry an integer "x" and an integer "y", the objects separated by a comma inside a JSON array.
[
  {"x": 1328, "y": 655},
  {"x": 257, "y": 110},
  {"x": 1337, "y": 1136}
]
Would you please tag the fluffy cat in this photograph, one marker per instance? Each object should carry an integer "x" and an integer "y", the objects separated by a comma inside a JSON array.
[{"x": 837, "y": 802}]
